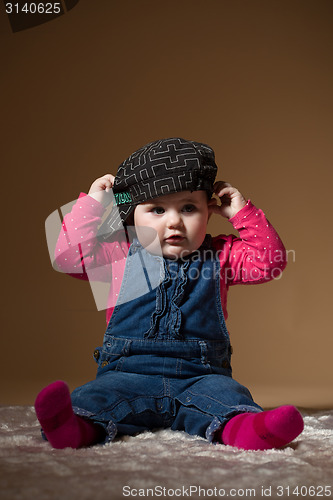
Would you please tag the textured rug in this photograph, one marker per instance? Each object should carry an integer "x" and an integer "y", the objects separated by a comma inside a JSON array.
[{"x": 162, "y": 464}]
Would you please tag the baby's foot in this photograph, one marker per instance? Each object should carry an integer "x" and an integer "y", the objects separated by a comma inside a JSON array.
[
  {"x": 60, "y": 425},
  {"x": 264, "y": 430}
]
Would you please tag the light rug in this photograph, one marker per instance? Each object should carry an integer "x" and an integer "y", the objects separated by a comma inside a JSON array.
[{"x": 162, "y": 464}]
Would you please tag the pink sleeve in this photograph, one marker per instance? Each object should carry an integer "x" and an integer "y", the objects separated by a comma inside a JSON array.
[
  {"x": 78, "y": 252},
  {"x": 257, "y": 255}
]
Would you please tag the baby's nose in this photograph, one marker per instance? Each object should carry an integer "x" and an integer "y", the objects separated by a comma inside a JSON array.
[{"x": 174, "y": 219}]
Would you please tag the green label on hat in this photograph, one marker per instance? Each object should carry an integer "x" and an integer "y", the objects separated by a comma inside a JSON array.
[{"x": 123, "y": 198}]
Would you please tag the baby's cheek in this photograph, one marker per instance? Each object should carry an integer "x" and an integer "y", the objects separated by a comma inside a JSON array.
[{"x": 201, "y": 230}]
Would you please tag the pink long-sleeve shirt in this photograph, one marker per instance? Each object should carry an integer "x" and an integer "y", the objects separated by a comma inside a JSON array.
[{"x": 255, "y": 256}]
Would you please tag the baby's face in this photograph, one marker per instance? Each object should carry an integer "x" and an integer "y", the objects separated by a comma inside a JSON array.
[{"x": 179, "y": 219}]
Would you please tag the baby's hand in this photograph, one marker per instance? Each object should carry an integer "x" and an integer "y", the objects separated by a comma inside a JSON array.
[
  {"x": 231, "y": 200},
  {"x": 100, "y": 187}
]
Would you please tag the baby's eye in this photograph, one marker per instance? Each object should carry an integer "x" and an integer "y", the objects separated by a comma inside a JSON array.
[
  {"x": 189, "y": 208},
  {"x": 158, "y": 210}
]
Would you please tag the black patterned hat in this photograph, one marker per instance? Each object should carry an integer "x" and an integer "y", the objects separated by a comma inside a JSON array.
[{"x": 162, "y": 167}]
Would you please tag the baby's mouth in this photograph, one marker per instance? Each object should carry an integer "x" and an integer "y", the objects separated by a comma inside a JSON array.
[{"x": 175, "y": 238}]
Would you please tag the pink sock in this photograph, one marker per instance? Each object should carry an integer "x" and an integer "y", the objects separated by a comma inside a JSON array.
[
  {"x": 264, "y": 430},
  {"x": 61, "y": 426}
]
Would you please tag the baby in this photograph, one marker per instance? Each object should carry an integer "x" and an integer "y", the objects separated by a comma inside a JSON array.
[{"x": 165, "y": 359}]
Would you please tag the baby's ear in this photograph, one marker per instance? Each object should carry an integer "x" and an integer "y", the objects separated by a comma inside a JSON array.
[{"x": 211, "y": 204}]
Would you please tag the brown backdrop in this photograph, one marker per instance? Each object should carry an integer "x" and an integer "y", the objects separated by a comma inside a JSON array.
[{"x": 80, "y": 93}]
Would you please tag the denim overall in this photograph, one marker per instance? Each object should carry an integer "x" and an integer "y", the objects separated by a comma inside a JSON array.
[{"x": 165, "y": 359}]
